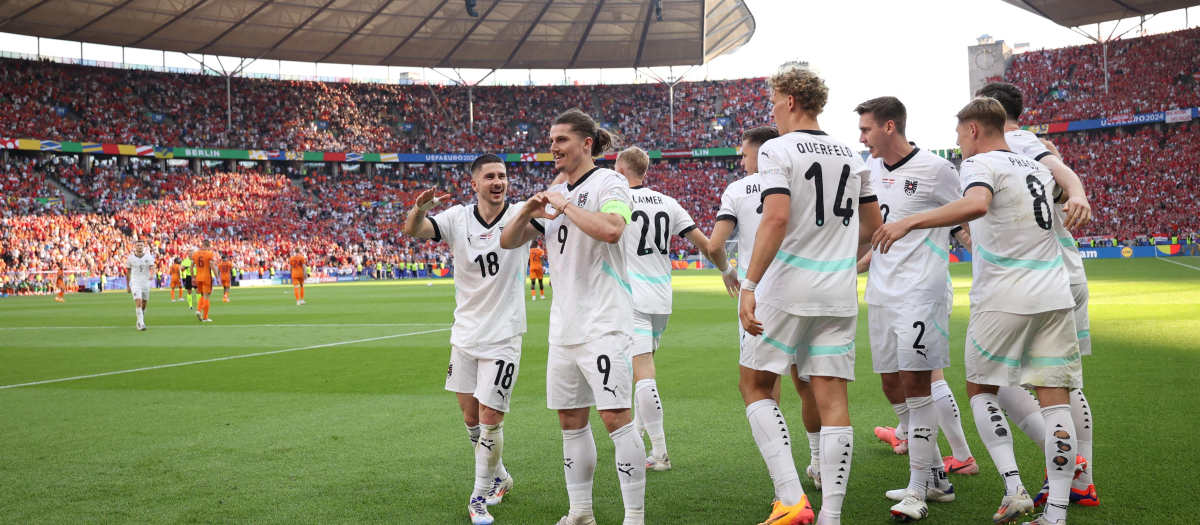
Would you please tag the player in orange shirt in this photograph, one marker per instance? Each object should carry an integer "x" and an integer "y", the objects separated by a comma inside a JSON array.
[
  {"x": 206, "y": 270},
  {"x": 60, "y": 284},
  {"x": 297, "y": 263},
  {"x": 226, "y": 268},
  {"x": 176, "y": 282},
  {"x": 536, "y": 271}
]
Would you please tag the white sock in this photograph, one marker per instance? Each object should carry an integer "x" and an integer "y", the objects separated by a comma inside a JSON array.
[
  {"x": 631, "y": 472},
  {"x": 996, "y": 436},
  {"x": 902, "y": 414},
  {"x": 937, "y": 474},
  {"x": 487, "y": 457},
  {"x": 501, "y": 472},
  {"x": 814, "y": 449},
  {"x": 837, "y": 452},
  {"x": 775, "y": 444},
  {"x": 649, "y": 407},
  {"x": 1081, "y": 415},
  {"x": 922, "y": 443},
  {"x": 1060, "y": 459},
  {"x": 140, "y": 314},
  {"x": 579, "y": 465},
  {"x": 473, "y": 434},
  {"x": 1023, "y": 409},
  {"x": 637, "y": 417},
  {"x": 949, "y": 420}
]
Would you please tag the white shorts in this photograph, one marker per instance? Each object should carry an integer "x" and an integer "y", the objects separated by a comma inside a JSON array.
[
  {"x": 818, "y": 346},
  {"x": 1080, "y": 292},
  {"x": 1004, "y": 349},
  {"x": 487, "y": 371},
  {"x": 647, "y": 331},
  {"x": 140, "y": 292},
  {"x": 597, "y": 373},
  {"x": 911, "y": 338}
]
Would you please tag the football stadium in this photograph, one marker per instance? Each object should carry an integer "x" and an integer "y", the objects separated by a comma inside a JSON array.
[{"x": 983, "y": 303}]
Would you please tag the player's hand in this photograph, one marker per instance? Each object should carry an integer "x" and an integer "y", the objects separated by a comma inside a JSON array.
[
  {"x": 1050, "y": 146},
  {"x": 557, "y": 200},
  {"x": 732, "y": 284},
  {"x": 426, "y": 200},
  {"x": 746, "y": 313},
  {"x": 536, "y": 207},
  {"x": 888, "y": 234},
  {"x": 1079, "y": 212},
  {"x": 964, "y": 239}
]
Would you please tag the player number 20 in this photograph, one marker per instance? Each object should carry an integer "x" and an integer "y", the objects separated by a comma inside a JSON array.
[
  {"x": 662, "y": 232},
  {"x": 490, "y": 265}
]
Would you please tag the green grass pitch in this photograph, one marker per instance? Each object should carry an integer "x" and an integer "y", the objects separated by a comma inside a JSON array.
[{"x": 354, "y": 426}]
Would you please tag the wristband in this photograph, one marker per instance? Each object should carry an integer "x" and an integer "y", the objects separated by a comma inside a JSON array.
[
  {"x": 748, "y": 285},
  {"x": 729, "y": 269},
  {"x": 430, "y": 205}
]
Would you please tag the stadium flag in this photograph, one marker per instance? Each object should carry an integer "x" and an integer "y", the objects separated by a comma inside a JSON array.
[
  {"x": 50, "y": 145},
  {"x": 528, "y": 157},
  {"x": 126, "y": 149},
  {"x": 60, "y": 111},
  {"x": 1179, "y": 115},
  {"x": 354, "y": 157},
  {"x": 164, "y": 152},
  {"x": 332, "y": 157},
  {"x": 1168, "y": 249},
  {"x": 8, "y": 143},
  {"x": 257, "y": 154},
  {"x": 91, "y": 147},
  {"x": 57, "y": 201},
  {"x": 407, "y": 127},
  {"x": 389, "y": 157}
]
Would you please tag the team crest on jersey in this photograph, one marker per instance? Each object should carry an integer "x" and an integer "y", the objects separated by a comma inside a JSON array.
[
  {"x": 888, "y": 182},
  {"x": 582, "y": 199},
  {"x": 910, "y": 187}
]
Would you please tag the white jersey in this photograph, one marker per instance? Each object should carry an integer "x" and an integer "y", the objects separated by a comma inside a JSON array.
[
  {"x": 141, "y": 274},
  {"x": 656, "y": 217},
  {"x": 914, "y": 270},
  {"x": 1027, "y": 144},
  {"x": 489, "y": 282},
  {"x": 1017, "y": 264},
  {"x": 592, "y": 295},
  {"x": 813, "y": 274},
  {"x": 742, "y": 203}
]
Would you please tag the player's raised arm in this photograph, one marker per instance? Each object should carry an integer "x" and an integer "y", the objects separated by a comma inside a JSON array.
[
  {"x": 1077, "y": 207},
  {"x": 416, "y": 223},
  {"x": 534, "y": 209}
]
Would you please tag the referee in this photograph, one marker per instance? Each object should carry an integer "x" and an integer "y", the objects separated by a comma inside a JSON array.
[{"x": 185, "y": 273}]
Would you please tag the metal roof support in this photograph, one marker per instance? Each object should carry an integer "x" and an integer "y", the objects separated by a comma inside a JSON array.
[{"x": 242, "y": 65}]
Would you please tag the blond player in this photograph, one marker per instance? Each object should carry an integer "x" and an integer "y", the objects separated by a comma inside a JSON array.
[{"x": 139, "y": 279}]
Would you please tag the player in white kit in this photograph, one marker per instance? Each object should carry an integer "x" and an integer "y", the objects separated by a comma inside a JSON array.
[
  {"x": 591, "y": 315},
  {"x": 1022, "y": 329},
  {"x": 906, "y": 293},
  {"x": 656, "y": 218},
  {"x": 741, "y": 208},
  {"x": 489, "y": 317},
  {"x": 139, "y": 278},
  {"x": 1083, "y": 490},
  {"x": 818, "y": 208}
]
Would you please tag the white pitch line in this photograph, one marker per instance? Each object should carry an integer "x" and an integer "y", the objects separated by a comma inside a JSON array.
[
  {"x": 1175, "y": 262},
  {"x": 220, "y": 359},
  {"x": 215, "y": 326}
]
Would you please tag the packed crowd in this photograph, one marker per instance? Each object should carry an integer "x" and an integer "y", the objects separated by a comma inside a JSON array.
[
  {"x": 51, "y": 101},
  {"x": 1146, "y": 74},
  {"x": 1140, "y": 183}
]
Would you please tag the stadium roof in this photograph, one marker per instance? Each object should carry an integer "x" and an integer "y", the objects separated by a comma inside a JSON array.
[
  {"x": 514, "y": 34},
  {"x": 1075, "y": 13}
]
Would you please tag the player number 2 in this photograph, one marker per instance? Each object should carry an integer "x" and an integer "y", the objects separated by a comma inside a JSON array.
[
  {"x": 562, "y": 238},
  {"x": 504, "y": 375},
  {"x": 814, "y": 174},
  {"x": 603, "y": 365},
  {"x": 493, "y": 264},
  {"x": 917, "y": 344},
  {"x": 1038, "y": 191}
]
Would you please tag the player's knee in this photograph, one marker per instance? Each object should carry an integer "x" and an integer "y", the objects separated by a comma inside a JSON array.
[
  {"x": 470, "y": 419},
  {"x": 615, "y": 419},
  {"x": 489, "y": 415}
]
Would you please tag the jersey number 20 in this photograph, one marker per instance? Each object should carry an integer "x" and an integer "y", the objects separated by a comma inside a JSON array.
[{"x": 662, "y": 232}]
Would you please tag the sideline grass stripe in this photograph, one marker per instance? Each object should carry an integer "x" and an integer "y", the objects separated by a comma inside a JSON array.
[
  {"x": 1179, "y": 263},
  {"x": 220, "y": 359},
  {"x": 217, "y": 326}
]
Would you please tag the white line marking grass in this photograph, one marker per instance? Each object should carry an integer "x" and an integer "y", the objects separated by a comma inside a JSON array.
[
  {"x": 1176, "y": 262},
  {"x": 213, "y": 326},
  {"x": 220, "y": 359}
]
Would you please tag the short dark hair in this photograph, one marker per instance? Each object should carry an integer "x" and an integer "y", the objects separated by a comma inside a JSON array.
[
  {"x": 486, "y": 158},
  {"x": 760, "y": 135},
  {"x": 986, "y": 111},
  {"x": 1008, "y": 95},
  {"x": 883, "y": 109}
]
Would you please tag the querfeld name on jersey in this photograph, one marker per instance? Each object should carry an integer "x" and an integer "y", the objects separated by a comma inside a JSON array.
[
  {"x": 1018, "y": 262},
  {"x": 1027, "y": 144},
  {"x": 656, "y": 217},
  {"x": 742, "y": 203},
  {"x": 142, "y": 274},
  {"x": 813, "y": 273},
  {"x": 914, "y": 270},
  {"x": 592, "y": 294},
  {"x": 489, "y": 288}
]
